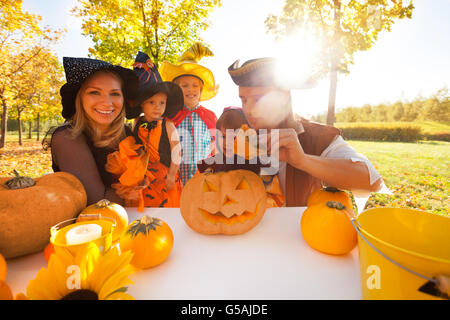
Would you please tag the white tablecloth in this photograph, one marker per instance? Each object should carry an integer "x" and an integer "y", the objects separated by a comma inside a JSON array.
[{"x": 271, "y": 261}]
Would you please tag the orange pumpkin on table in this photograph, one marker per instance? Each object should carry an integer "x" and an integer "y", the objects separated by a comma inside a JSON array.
[
  {"x": 150, "y": 239},
  {"x": 327, "y": 228},
  {"x": 322, "y": 195},
  {"x": 5, "y": 291},
  {"x": 3, "y": 268},
  {"x": 48, "y": 251},
  {"x": 109, "y": 209},
  {"x": 30, "y": 207},
  {"x": 231, "y": 202}
]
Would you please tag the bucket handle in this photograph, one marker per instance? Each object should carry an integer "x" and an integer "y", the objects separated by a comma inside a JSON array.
[{"x": 357, "y": 227}]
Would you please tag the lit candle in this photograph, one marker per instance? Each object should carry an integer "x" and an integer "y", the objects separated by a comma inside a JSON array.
[{"x": 83, "y": 233}]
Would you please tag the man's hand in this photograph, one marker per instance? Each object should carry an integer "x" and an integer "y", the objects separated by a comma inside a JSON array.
[{"x": 286, "y": 146}]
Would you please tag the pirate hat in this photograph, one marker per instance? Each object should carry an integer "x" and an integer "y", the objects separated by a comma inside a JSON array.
[{"x": 263, "y": 72}]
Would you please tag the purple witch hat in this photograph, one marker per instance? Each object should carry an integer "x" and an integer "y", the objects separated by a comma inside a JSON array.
[{"x": 150, "y": 83}]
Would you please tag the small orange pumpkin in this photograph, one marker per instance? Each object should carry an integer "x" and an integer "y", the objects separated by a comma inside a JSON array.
[
  {"x": 109, "y": 209},
  {"x": 327, "y": 228},
  {"x": 323, "y": 195},
  {"x": 150, "y": 239},
  {"x": 3, "y": 268},
  {"x": 5, "y": 291},
  {"x": 48, "y": 251},
  {"x": 246, "y": 142},
  {"x": 227, "y": 202}
]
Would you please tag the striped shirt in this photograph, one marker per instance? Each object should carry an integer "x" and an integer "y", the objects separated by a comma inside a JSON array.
[{"x": 194, "y": 148}]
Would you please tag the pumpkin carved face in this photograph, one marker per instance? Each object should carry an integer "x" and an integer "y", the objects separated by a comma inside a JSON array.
[{"x": 230, "y": 202}]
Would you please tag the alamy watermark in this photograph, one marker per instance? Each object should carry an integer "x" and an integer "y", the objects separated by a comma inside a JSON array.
[
  {"x": 374, "y": 279},
  {"x": 262, "y": 146}
]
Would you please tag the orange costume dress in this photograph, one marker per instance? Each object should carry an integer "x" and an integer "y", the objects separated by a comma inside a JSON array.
[{"x": 147, "y": 156}]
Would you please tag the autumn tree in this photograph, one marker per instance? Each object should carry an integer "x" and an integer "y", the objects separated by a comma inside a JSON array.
[
  {"x": 21, "y": 41},
  {"x": 163, "y": 29},
  {"x": 343, "y": 26},
  {"x": 35, "y": 90}
]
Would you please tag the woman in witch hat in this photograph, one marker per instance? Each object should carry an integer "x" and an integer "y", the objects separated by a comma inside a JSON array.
[{"x": 93, "y": 103}]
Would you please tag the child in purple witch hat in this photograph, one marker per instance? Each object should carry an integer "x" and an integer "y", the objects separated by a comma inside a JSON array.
[{"x": 149, "y": 160}]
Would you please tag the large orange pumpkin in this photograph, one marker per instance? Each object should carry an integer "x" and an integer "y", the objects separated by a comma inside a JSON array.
[
  {"x": 323, "y": 195},
  {"x": 109, "y": 209},
  {"x": 30, "y": 207},
  {"x": 3, "y": 268},
  {"x": 231, "y": 202},
  {"x": 327, "y": 228},
  {"x": 150, "y": 239}
]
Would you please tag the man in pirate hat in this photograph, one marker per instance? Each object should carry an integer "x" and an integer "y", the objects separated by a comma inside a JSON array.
[
  {"x": 196, "y": 125},
  {"x": 309, "y": 153}
]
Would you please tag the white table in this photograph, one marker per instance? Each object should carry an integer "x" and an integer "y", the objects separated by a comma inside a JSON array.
[{"x": 271, "y": 261}]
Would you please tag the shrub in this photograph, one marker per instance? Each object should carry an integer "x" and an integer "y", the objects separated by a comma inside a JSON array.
[
  {"x": 379, "y": 132},
  {"x": 441, "y": 136}
]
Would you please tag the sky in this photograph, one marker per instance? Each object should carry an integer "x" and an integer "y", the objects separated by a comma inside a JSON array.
[{"x": 411, "y": 60}]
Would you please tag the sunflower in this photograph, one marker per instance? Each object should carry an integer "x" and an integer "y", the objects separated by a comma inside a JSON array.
[{"x": 89, "y": 275}]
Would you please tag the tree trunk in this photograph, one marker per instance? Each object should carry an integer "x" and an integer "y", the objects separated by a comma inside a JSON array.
[
  {"x": 3, "y": 126},
  {"x": 30, "y": 128},
  {"x": 19, "y": 122},
  {"x": 332, "y": 97},
  {"x": 335, "y": 58},
  {"x": 37, "y": 127}
]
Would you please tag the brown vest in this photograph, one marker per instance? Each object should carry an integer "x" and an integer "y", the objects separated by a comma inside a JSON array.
[{"x": 314, "y": 140}]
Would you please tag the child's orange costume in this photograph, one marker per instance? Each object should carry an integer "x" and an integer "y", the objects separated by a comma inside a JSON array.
[
  {"x": 143, "y": 160},
  {"x": 134, "y": 161}
]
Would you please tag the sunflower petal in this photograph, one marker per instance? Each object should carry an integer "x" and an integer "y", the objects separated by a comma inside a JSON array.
[{"x": 120, "y": 296}]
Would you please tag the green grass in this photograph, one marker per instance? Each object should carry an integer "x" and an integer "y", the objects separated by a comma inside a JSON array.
[{"x": 417, "y": 173}]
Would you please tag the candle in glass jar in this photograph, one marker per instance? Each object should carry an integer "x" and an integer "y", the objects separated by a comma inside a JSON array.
[{"x": 83, "y": 233}]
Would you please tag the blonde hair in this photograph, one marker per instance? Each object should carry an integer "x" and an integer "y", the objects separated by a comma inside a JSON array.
[{"x": 81, "y": 123}]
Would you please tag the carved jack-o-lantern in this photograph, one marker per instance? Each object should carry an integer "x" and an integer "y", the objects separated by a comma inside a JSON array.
[{"x": 230, "y": 202}]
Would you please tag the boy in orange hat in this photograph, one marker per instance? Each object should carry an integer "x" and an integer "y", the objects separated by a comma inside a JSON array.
[{"x": 195, "y": 124}]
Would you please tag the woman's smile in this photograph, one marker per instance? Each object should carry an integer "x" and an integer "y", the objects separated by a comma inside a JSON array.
[{"x": 102, "y": 99}]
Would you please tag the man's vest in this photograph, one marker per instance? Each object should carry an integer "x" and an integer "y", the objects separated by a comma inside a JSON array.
[{"x": 314, "y": 140}]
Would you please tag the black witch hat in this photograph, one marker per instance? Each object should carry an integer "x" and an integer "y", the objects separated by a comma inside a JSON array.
[{"x": 77, "y": 70}]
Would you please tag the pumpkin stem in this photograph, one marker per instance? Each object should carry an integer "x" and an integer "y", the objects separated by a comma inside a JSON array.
[
  {"x": 146, "y": 220},
  {"x": 332, "y": 189},
  {"x": 103, "y": 203},
  {"x": 335, "y": 205},
  {"x": 19, "y": 182}
]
